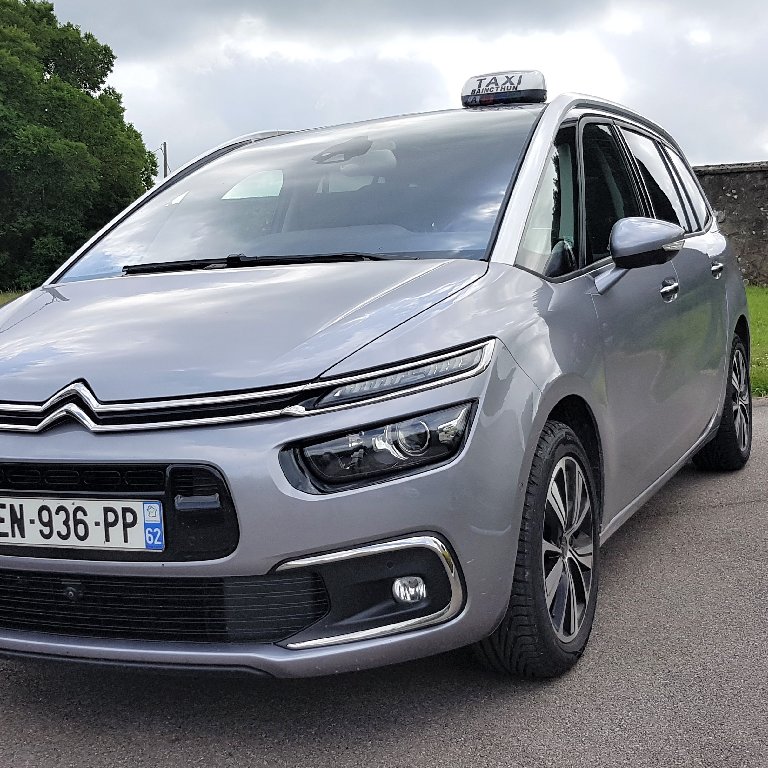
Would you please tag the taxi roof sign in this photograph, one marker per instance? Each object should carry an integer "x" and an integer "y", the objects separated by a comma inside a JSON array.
[{"x": 519, "y": 87}]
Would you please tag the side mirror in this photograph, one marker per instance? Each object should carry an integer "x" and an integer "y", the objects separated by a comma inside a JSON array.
[{"x": 639, "y": 242}]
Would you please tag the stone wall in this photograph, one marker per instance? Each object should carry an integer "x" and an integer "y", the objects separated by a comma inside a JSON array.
[{"x": 739, "y": 194}]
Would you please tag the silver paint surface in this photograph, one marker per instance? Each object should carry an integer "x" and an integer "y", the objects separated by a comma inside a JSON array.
[
  {"x": 189, "y": 333},
  {"x": 652, "y": 373}
]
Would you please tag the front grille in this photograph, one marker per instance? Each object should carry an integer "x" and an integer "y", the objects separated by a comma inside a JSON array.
[
  {"x": 259, "y": 609},
  {"x": 191, "y": 483},
  {"x": 200, "y": 518},
  {"x": 82, "y": 478}
]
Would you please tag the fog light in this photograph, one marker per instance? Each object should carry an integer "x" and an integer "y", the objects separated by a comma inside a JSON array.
[{"x": 409, "y": 589}]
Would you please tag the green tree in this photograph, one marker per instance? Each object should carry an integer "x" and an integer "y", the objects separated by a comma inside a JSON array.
[{"x": 68, "y": 160}]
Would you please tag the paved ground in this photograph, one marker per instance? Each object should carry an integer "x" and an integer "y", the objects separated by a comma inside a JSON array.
[{"x": 676, "y": 675}]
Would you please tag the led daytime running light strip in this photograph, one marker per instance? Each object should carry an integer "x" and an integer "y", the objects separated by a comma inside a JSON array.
[{"x": 485, "y": 349}]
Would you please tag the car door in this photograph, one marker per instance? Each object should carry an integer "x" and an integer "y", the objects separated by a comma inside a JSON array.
[
  {"x": 641, "y": 330},
  {"x": 701, "y": 301},
  {"x": 701, "y": 265}
]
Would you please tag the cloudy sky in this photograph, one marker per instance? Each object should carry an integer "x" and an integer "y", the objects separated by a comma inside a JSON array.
[{"x": 197, "y": 72}]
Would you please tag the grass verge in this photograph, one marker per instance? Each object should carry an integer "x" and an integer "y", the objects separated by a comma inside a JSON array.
[
  {"x": 6, "y": 297},
  {"x": 758, "y": 311},
  {"x": 758, "y": 308}
]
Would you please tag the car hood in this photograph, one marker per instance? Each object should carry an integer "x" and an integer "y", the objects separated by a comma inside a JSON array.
[{"x": 176, "y": 334}]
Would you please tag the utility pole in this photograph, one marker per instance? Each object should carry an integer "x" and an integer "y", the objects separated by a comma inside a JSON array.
[{"x": 164, "y": 148}]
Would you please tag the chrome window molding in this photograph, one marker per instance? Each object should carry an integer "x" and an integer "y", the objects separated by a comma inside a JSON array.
[
  {"x": 426, "y": 542},
  {"x": 87, "y": 408}
]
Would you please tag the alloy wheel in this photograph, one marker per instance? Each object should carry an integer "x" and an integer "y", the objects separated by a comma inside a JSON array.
[
  {"x": 567, "y": 548},
  {"x": 741, "y": 399}
]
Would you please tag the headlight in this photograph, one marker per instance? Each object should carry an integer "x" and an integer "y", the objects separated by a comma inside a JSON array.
[
  {"x": 408, "y": 377},
  {"x": 387, "y": 449}
]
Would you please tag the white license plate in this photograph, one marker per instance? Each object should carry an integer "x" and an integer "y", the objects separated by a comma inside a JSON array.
[{"x": 82, "y": 523}]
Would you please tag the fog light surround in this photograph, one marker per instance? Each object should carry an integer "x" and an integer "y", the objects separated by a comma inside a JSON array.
[
  {"x": 359, "y": 583},
  {"x": 386, "y": 450}
]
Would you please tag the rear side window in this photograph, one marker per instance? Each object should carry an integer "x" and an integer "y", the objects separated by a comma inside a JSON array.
[
  {"x": 609, "y": 193},
  {"x": 661, "y": 187},
  {"x": 550, "y": 242},
  {"x": 691, "y": 187}
]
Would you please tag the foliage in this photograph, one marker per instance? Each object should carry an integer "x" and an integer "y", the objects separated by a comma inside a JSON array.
[
  {"x": 68, "y": 160},
  {"x": 758, "y": 311}
]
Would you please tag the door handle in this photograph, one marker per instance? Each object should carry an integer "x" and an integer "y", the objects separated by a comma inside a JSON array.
[
  {"x": 669, "y": 290},
  {"x": 716, "y": 269}
]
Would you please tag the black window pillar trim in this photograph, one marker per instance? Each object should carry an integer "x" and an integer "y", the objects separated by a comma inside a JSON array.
[{"x": 632, "y": 172}]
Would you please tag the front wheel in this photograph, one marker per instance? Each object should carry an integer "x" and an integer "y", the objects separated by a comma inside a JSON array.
[
  {"x": 552, "y": 606},
  {"x": 730, "y": 448}
]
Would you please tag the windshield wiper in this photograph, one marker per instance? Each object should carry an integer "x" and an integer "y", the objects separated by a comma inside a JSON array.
[
  {"x": 180, "y": 266},
  {"x": 241, "y": 260}
]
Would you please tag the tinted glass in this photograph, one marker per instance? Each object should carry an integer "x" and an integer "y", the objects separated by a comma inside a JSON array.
[
  {"x": 426, "y": 186},
  {"x": 609, "y": 194},
  {"x": 662, "y": 190},
  {"x": 691, "y": 187},
  {"x": 550, "y": 242}
]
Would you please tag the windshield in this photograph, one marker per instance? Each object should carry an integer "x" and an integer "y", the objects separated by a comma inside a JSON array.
[{"x": 426, "y": 186}]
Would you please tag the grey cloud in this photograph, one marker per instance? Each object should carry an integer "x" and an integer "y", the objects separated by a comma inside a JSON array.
[
  {"x": 138, "y": 27},
  {"x": 710, "y": 100},
  {"x": 196, "y": 113},
  {"x": 709, "y": 97}
]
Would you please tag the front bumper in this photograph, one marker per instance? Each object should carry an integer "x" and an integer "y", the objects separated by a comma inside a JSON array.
[{"x": 473, "y": 504}]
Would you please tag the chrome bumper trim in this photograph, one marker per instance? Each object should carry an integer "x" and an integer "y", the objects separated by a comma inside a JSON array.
[{"x": 413, "y": 542}]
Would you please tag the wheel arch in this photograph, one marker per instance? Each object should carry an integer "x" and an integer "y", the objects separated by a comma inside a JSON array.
[
  {"x": 574, "y": 411},
  {"x": 742, "y": 331}
]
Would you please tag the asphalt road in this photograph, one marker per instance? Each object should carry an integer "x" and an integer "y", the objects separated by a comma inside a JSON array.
[{"x": 676, "y": 674}]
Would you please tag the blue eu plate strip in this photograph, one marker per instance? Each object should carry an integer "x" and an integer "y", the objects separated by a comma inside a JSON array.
[{"x": 154, "y": 535}]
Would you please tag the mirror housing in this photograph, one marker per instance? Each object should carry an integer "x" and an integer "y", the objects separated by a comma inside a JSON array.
[{"x": 640, "y": 242}]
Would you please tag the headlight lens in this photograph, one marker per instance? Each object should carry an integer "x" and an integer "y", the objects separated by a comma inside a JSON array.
[
  {"x": 447, "y": 366},
  {"x": 387, "y": 449}
]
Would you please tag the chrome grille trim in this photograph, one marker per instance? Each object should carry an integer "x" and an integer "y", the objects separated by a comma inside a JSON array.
[
  {"x": 81, "y": 390},
  {"x": 88, "y": 409}
]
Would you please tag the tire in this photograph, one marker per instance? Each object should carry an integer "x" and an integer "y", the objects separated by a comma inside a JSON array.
[
  {"x": 730, "y": 448},
  {"x": 531, "y": 641}
]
